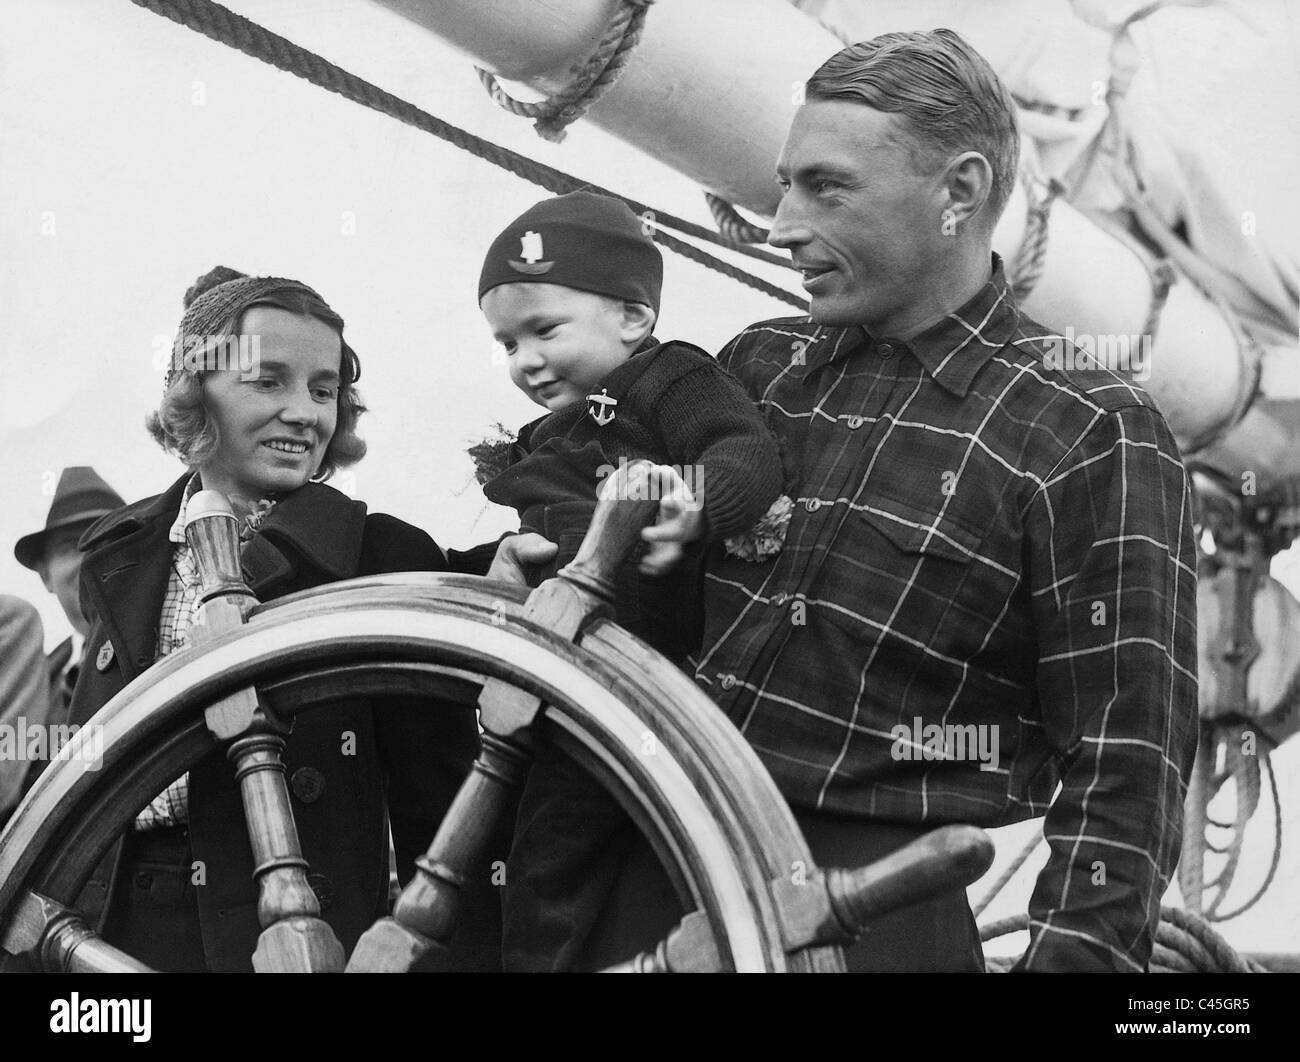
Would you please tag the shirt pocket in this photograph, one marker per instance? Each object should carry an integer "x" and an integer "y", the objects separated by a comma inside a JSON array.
[
  {"x": 919, "y": 532},
  {"x": 920, "y": 575}
]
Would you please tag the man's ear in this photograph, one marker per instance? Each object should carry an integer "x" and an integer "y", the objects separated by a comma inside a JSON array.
[
  {"x": 969, "y": 184},
  {"x": 638, "y": 322}
]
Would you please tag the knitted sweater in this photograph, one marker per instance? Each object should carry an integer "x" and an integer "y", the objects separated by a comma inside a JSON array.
[{"x": 676, "y": 406}]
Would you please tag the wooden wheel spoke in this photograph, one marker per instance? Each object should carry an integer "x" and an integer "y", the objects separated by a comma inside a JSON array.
[
  {"x": 838, "y": 905},
  {"x": 689, "y": 948},
  {"x": 59, "y": 940},
  {"x": 294, "y": 938},
  {"x": 424, "y": 916}
]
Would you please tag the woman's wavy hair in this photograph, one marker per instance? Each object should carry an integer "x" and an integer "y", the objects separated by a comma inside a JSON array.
[{"x": 181, "y": 424}]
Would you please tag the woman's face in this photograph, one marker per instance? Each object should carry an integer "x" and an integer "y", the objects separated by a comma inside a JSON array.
[{"x": 274, "y": 421}]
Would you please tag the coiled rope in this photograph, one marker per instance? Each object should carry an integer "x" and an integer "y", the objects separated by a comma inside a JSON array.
[
  {"x": 224, "y": 26},
  {"x": 1246, "y": 775},
  {"x": 601, "y": 70},
  {"x": 1185, "y": 943}
]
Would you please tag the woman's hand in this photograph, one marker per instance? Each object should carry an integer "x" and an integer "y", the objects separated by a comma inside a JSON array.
[{"x": 517, "y": 551}]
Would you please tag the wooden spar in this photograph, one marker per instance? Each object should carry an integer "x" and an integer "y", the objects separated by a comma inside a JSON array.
[
  {"x": 680, "y": 98},
  {"x": 709, "y": 90}
]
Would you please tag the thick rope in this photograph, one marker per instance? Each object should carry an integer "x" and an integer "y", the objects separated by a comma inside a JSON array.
[
  {"x": 1244, "y": 770},
  {"x": 1032, "y": 254},
  {"x": 1008, "y": 874},
  {"x": 600, "y": 71},
  {"x": 1267, "y": 767},
  {"x": 1176, "y": 924},
  {"x": 731, "y": 224},
  {"x": 1184, "y": 943},
  {"x": 224, "y": 26}
]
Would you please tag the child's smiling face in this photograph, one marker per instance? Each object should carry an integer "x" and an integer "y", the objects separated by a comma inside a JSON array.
[{"x": 561, "y": 342}]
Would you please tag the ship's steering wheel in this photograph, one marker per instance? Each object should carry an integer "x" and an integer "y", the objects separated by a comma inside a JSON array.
[{"x": 698, "y": 791}]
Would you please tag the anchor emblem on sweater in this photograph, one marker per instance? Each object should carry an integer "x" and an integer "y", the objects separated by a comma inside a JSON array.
[{"x": 601, "y": 407}]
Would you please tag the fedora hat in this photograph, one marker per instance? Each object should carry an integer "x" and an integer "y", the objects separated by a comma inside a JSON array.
[{"x": 81, "y": 497}]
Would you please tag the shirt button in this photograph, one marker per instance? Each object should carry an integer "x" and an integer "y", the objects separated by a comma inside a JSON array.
[
  {"x": 812, "y": 504},
  {"x": 886, "y": 350},
  {"x": 728, "y": 681},
  {"x": 855, "y": 421}
]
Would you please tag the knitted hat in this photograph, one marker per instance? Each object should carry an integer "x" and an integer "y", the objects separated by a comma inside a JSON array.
[
  {"x": 580, "y": 240},
  {"x": 211, "y": 303},
  {"x": 81, "y": 497}
]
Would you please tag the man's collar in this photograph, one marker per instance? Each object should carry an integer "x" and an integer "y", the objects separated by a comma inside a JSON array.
[{"x": 955, "y": 348}]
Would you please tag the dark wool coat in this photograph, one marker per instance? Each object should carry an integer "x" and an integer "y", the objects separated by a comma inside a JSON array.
[{"x": 413, "y": 752}]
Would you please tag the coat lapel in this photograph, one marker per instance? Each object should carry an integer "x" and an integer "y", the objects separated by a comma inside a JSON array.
[
  {"x": 123, "y": 579},
  {"x": 315, "y": 525},
  {"x": 126, "y": 585},
  {"x": 265, "y": 567}
]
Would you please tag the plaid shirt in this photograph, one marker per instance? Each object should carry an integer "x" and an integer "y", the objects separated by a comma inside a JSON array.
[{"x": 987, "y": 542}]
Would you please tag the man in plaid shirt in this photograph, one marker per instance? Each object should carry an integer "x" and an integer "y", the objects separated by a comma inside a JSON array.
[{"x": 987, "y": 583}]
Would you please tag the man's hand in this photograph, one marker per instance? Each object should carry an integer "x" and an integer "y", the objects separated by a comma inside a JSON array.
[
  {"x": 516, "y": 553},
  {"x": 680, "y": 520}
]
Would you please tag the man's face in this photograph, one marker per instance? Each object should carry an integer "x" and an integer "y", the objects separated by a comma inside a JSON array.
[
  {"x": 860, "y": 222},
  {"x": 60, "y": 568}
]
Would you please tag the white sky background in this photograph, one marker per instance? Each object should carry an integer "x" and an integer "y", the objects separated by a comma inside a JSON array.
[{"x": 157, "y": 154}]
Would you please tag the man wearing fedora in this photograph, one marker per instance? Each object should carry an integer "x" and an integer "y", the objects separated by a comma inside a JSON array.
[{"x": 80, "y": 499}]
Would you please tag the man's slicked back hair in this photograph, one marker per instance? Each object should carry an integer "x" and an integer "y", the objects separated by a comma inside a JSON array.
[{"x": 949, "y": 97}]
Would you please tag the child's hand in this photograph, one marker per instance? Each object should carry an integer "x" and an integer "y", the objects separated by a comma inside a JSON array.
[{"x": 680, "y": 519}]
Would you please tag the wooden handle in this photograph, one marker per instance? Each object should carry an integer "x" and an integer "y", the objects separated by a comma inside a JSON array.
[
  {"x": 212, "y": 530},
  {"x": 294, "y": 938},
  {"x": 628, "y": 501},
  {"x": 949, "y": 858},
  {"x": 424, "y": 916}
]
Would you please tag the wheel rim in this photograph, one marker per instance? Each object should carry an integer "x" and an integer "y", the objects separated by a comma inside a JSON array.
[{"x": 716, "y": 812}]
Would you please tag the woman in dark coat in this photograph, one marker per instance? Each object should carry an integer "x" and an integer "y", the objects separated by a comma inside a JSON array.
[{"x": 177, "y": 891}]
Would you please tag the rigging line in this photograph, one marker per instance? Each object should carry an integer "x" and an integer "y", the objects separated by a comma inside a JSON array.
[{"x": 224, "y": 26}]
